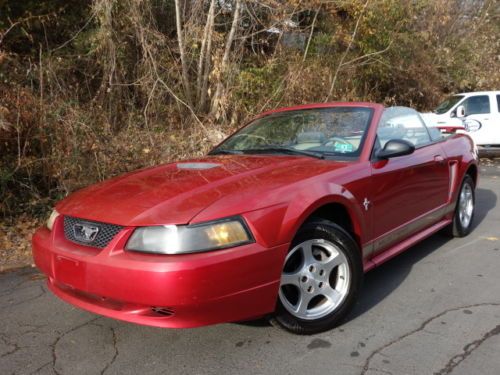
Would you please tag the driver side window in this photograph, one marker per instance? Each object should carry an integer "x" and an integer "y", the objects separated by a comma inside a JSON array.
[
  {"x": 477, "y": 105},
  {"x": 402, "y": 123}
]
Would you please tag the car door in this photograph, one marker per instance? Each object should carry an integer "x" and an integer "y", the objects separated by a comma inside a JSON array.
[
  {"x": 407, "y": 192},
  {"x": 483, "y": 108},
  {"x": 495, "y": 120}
]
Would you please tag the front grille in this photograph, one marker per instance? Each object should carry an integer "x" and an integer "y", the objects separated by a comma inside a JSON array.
[{"x": 106, "y": 232}]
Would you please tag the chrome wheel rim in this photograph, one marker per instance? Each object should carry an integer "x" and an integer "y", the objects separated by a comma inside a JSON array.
[
  {"x": 465, "y": 205},
  {"x": 315, "y": 279}
]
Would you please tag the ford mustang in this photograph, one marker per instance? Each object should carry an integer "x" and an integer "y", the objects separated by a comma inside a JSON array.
[{"x": 281, "y": 220}]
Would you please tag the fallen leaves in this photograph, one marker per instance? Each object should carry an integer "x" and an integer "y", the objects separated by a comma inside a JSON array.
[
  {"x": 15, "y": 242},
  {"x": 492, "y": 238}
]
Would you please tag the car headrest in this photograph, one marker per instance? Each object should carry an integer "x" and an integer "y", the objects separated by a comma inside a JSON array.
[{"x": 311, "y": 137}]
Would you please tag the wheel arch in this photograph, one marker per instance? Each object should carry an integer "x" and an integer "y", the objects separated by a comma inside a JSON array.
[
  {"x": 336, "y": 213},
  {"x": 472, "y": 171},
  {"x": 338, "y": 209}
]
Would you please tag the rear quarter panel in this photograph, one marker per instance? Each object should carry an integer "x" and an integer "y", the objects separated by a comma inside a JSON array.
[{"x": 462, "y": 155}]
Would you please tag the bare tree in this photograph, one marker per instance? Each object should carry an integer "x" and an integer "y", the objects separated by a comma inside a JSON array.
[
  {"x": 182, "y": 52},
  {"x": 341, "y": 63},
  {"x": 204, "y": 58},
  {"x": 225, "y": 58}
]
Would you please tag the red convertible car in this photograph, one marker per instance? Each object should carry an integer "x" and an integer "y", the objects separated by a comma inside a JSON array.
[{"x": 282, "y": 219}]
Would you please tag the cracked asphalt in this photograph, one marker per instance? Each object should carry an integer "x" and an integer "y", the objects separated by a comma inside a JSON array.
[{"x": 433, "y": 310}]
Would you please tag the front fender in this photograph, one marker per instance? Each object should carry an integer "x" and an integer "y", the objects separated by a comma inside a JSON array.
[
  {"x": 278, "y": 224},
  {"x": 301, "y": 208}
]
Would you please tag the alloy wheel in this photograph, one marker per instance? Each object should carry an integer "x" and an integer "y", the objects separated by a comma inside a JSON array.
[
  {"x": 465, "y": 205},
  {"x": 315, "y": 279}
]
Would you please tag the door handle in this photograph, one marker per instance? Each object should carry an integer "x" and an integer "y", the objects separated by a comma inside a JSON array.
[{"x": 439, "y": 159}]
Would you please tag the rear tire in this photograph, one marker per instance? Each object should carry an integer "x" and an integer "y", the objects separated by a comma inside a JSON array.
[
  {"x": 464, "y": 210},
  {"x": 321, "y": 279}
]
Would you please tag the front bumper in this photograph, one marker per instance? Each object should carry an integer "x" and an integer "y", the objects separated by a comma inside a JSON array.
[{"x": 176, "y": 291}]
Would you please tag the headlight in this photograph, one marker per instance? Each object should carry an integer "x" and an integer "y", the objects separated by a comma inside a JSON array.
[
  {"x": 172, "y": 239},
  {"x": 52, "y": 218}
]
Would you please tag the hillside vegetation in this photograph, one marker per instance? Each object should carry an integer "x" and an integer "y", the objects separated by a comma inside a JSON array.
[{"x": 91, "y": 89}]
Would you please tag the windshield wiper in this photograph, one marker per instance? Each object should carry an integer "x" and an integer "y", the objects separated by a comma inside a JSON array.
[
  {"x": 225, "y": 152},
  {"x": 287, "y": 150}
]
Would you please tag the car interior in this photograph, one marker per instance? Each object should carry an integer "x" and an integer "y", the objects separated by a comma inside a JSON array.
[{"x": 318, "y": 141}]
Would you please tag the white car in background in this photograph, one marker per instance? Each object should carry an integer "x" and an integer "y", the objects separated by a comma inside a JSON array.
[{"x": 477, "y": 112}]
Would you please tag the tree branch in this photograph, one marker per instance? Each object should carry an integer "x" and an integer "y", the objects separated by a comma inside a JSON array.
[
  {"x": 205, "y": 52},
  {"x": 182, "y": 52},
  {"x": 339, "y": 66},
  {"x": 225, "y": 58},
  {"x": 311, "y": 34}
]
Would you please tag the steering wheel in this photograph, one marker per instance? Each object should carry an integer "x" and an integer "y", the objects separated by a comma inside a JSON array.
[{"x": 333, "y": 140}]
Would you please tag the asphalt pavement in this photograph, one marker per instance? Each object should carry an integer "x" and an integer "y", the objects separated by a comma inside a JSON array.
[{"x": 433, "y": 310}]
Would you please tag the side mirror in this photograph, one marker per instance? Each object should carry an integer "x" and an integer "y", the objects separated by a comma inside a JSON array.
[
  {"x": 396, "y": 147},
  {"x": 460, "y": 111}
]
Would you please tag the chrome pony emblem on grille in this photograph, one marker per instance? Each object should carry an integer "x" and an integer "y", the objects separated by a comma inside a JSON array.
[{"x": 85, "y": 232}]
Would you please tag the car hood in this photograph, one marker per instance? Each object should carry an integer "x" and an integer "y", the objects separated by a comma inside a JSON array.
[{"x": 174, "y": 193}]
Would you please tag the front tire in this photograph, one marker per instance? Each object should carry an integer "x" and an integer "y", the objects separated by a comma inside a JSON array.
[
  {"x": 464, "y": 210},
  {"x": 320, "y": 281}
]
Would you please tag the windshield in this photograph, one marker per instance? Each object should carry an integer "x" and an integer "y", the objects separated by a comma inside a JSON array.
[
  {"x": 448, "y": 104},
  {"x": 336, "y": 132}
]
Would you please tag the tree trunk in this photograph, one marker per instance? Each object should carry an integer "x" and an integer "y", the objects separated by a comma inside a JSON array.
[
  {"x": 182, "y": 52},
  {"x": 225, "y": 58},
  {"x": 204, "y": 59}
]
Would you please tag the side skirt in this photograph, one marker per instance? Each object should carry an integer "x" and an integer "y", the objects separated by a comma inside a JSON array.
[{"x": 403, "y": 245}]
